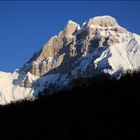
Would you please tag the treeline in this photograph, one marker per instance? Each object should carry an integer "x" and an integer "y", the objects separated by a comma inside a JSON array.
[{"x": 94, "y": 108}]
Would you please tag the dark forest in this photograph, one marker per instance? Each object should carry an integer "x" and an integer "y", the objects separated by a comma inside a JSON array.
[{"x": 94, "y": 108}]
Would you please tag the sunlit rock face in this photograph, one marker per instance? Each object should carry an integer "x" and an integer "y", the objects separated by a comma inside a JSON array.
[
  {"x": 71, "y": 28},
  {"x": 104, "y": 21},
  {"x": 99, "y": 45}
]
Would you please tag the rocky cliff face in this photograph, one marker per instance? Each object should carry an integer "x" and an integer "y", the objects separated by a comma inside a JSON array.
[{"x": 99, "y": 45}]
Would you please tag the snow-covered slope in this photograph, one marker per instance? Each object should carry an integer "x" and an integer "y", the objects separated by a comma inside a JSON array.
[
  {"x": 9, "y": 91},
  {"x": 99, "y": 45}
]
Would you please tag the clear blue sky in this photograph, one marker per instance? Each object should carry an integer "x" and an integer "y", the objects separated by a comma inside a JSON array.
[{"x": 26, "y": 26}]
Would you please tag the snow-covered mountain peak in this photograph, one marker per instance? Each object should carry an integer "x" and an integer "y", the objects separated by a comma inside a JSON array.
[
  {"x": 103, "y": 21},
  {"x": 100, "y": 45}
]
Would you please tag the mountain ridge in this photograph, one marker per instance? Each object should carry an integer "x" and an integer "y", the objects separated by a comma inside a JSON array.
[{"x": 99, "y": 45}]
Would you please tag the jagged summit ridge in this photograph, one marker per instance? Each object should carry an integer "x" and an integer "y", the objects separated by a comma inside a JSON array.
[
  {"x": 99, "y": 45},
  {"x": 103, "y": 21}
]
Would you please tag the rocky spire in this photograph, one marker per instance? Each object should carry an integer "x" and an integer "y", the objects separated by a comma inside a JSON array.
[{"x": 71, "y": 27}]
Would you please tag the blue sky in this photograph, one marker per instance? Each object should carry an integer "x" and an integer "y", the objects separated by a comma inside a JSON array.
[{"x": 26, "y": 26}]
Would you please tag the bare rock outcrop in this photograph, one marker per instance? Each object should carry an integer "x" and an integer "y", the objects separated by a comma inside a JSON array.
[{"x": 70, "y": 28}]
